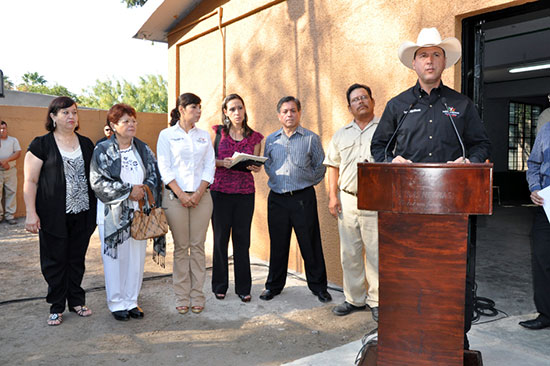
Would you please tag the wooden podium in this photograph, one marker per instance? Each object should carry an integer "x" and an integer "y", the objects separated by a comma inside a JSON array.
[{"x": 423, "y": 235}]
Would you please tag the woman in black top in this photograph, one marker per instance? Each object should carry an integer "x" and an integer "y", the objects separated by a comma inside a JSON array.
[{"x": 61, "y": 207}]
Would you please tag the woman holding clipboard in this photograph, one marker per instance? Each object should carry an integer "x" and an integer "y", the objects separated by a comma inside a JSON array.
[{"x": 233, "y": 197}]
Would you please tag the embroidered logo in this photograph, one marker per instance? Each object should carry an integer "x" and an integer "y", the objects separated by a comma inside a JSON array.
[
  {"x": 451, "y": 112},
  {"x": 201, "y": 140}
]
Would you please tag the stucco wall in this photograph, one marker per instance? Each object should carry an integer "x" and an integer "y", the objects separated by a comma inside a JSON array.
[
  {"x": 25, "y": 123},
  {"x": 314, "y": 50}
]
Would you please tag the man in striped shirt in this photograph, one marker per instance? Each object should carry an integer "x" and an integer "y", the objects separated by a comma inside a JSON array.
[{"x": 294, "y": 166}]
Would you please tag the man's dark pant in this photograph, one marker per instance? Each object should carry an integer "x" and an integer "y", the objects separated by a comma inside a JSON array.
[
  {"x": 62, "y": 263},
  {"x": 298, "y": 211},
  {"x": 540, "y": 262},
  {"x": 232, "y": 215}
]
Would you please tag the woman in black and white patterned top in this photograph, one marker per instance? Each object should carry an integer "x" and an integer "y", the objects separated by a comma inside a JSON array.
[{"x": 61, "y": 206}]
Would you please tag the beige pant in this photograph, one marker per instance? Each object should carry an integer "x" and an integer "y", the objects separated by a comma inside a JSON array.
[
  {"x": 188, "y": 226},
  {"x": 8, "y": 184},
  {"x": 358, "y": 229}
]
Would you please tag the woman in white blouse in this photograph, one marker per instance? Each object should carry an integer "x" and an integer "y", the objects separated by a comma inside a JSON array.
[{"x": 187, "y": 165}]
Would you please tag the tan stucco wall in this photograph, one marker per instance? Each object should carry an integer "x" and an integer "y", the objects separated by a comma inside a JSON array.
[
  {"x": 25, "y": 123},
  {"x": 314, "y": 50}
]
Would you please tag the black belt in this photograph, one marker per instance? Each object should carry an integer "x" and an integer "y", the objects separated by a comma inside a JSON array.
[
  {"x": 293, "y": 193},
  {"x": 170, "y": 189}
]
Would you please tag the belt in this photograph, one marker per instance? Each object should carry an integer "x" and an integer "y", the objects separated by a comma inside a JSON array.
[
  {"x": 292, "y": 193},
  {"x": 170, "y": 189},
  {"x": 350, "y": 193}
]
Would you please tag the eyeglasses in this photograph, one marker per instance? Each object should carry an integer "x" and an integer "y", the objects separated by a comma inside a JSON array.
[{"x": 362, "y": 97}]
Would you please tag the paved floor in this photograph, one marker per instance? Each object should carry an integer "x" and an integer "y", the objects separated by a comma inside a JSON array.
[{"x": 503, "y": 274}]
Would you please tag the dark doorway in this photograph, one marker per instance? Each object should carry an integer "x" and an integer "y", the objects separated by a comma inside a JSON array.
[{"x": 510, "y": 103}]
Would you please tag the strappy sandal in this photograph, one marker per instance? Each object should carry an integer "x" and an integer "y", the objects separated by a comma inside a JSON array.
[
  {"x": 245, "y": 298},
  {"x": 220, "y": 296},
  {"x": 82, "y": 311},
  {"x": 55, "y": 319},
  {"x": 197, "y": 309},
  {"x": 182, "y": 309}
]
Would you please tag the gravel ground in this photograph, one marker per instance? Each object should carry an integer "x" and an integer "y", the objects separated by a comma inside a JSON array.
[{"x": 291, "y": 326}]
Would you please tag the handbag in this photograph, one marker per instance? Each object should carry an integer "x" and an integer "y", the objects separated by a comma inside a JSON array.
[{"x": 149, "y": 222}]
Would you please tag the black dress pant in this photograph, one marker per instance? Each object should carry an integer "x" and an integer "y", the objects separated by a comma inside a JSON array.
[
  {"x": 62, "y": 263},
  {"x": 298, "y": 211},
  {"x": 232, "y": 215},
  {"x": 540, "y": 262}
]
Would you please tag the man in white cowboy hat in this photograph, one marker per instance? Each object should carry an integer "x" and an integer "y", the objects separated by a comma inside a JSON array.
[
  {"x": 427, "y": 134},
  {"x": 424, "y": 112}
]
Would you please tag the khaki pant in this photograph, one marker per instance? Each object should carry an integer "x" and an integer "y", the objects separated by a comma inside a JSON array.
[
  {"x": 8, "y": 184},
  {"x": 358, "y": 229},
  {"x": 188, "y": 226}
]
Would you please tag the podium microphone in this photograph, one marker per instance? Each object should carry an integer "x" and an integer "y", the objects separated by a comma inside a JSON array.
[
  {"x": 444, "y": 101},
  {"x": 397, "y": 129}
]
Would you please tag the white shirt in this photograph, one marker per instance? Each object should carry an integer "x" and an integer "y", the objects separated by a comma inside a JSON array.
[{"x": 187, "y": 157}]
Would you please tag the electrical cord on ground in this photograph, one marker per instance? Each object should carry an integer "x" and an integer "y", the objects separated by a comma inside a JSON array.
[
  {"x": 150, "y": 278},
  {"x": 484, "y": 306}
]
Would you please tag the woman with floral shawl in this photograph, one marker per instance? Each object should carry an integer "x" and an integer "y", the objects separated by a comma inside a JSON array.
[{"x": 120, "y": 168}]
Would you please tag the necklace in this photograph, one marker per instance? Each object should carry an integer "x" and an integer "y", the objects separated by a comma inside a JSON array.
[{"x": 68, "y": 143}]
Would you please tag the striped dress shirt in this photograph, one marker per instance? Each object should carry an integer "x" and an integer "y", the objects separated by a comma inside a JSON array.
[{"x": 294, "y": 162}]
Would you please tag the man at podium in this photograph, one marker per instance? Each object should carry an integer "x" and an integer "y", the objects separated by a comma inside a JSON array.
[{"x": 430, "y": 122}]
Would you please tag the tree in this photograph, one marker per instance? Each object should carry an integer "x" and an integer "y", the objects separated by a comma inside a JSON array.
[
  {"x": 33, "y": 78},
  {"x": 8, "y": 84},
  {"x": 149, "y": 95},
  {"x": 133, "y": 3},
  {"x": 33, "y": 82}
]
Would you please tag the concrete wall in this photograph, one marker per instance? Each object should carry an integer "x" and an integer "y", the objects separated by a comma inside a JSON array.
[
  {"x": 25, "y": 123},
  {"x": 313, "y": 49}
]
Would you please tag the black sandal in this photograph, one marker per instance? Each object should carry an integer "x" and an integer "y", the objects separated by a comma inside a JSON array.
[
  {"x": 245, "y": 298},
  {"x": 220, "y": 296}
]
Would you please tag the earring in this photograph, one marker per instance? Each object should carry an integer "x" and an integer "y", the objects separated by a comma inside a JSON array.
[
  {"x": 54, "y": 124},
  {"x": 227, "y": 121}
]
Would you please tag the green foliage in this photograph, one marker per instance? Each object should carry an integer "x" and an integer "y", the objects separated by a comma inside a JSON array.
[
  {"x": 150, "y": 94},
  {"x": 8, "y": 84},
  {"x": 33, "y": 78},
  {"x": 133, "y": 3},
  {"x": 33, "y": 82}
]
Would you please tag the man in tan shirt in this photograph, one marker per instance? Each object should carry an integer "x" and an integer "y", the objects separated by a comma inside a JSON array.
[
  {"x": 9, "y": 152},
  {"x": 358, "y": 229}
]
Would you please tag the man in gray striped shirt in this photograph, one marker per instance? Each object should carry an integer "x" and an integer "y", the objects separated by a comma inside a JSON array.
[{"x": 295, "y": 164}]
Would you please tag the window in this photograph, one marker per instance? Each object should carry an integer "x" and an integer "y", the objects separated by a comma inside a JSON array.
[{"x": 522, "y": 130}]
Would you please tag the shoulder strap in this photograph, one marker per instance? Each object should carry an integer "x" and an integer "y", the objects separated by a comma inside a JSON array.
[{"x": 218, "y": 138}]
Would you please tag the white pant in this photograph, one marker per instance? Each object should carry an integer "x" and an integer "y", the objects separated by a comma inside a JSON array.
[
  {"x": 358, "y": 229},
  {"x": 123, "y": 275}
]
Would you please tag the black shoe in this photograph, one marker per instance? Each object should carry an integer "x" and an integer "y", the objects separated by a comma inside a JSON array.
[
  {"x": 374, "y": 311},
  {"x": 347, "y": 308},
  {"x": 121, "y": 315},
  {"x": 136, "y": 313},
  {"x": 269, "y": 294},
  {"x": 323, "y": 296},
  {"x": 535, "y": 324}
]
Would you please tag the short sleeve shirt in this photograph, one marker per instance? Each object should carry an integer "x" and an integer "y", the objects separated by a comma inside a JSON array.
[
  {"x": 7, "y": 148},
  {"x": 234, "y": 181}
]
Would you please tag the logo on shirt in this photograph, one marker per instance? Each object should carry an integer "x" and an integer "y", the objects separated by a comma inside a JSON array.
[
  {"x": 201, "y": 140},
  {"x": 451, "y": 111}
]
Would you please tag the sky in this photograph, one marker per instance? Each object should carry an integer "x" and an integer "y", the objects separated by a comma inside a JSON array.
[{"x": 75, "y": 42}]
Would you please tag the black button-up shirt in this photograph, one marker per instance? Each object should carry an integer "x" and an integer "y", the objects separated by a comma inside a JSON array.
[{"x": 427, "y": 135}]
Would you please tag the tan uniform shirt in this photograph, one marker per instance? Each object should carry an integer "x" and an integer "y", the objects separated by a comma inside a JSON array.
[{"x": 350, "y": 145}]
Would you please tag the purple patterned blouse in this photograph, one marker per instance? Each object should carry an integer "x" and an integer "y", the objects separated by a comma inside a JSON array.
[{"x": 234, "y": 181}]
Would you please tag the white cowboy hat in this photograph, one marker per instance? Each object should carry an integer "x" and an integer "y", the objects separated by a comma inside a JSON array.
[{"x": 430, "y": 37}]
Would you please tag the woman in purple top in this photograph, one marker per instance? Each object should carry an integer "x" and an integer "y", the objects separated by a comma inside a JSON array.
[{"x": 233, "y": 197}]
